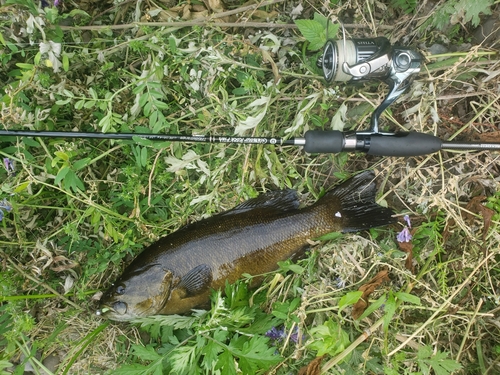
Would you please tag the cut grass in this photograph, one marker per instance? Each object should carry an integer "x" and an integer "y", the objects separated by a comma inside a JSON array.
[{"x": 59, "y": 243}]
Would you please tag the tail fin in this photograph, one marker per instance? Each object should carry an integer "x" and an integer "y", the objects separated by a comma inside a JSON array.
[{"x": 357, "y": 199}]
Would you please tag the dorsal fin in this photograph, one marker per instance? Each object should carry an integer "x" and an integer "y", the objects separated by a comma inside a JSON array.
[{"x": 279, "y": 200}]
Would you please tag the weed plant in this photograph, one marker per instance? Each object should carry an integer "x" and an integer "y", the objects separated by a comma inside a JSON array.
[{"x": 74, "y": 212}]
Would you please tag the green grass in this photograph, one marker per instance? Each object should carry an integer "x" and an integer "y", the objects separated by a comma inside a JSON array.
[{"x": 82, "y": 209}]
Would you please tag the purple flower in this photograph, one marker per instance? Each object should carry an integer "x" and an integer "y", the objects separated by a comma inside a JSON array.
[
  {"x": 340, "y": 283},
  {"x": 278, "y": 335},
  {"x": 4, "y": 205},
  {"x": 45, "y": 3},
  {"x": 404, "y": 235},
  {"x": 407, "y": 219},
  {"x": 295, "y": 335},
  {"x": 9, "y": 166}
]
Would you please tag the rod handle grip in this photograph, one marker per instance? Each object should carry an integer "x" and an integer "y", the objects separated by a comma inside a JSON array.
[
  {"x": 324, "y": 141},
  {"x": 404, "y": 144}
]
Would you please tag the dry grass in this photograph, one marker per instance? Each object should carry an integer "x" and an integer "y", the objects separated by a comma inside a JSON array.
[{"x": 456, "y": 261}]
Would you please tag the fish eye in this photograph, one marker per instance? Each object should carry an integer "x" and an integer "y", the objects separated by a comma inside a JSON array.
[
  {"x": 120, "y": 290},
  {"x": 120, "y": 307}
]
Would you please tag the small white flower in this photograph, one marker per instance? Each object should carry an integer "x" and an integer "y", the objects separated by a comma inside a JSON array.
[
  {"x": 53, "y": 50},
  {"x": 51, "y": 47},
  {"x": 33, "y": 22}
]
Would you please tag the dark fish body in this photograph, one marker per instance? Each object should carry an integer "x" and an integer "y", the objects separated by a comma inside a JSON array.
[{"x": 176, "y": 274}]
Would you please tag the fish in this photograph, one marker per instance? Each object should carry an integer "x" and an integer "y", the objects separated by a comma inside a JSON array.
[{"x": 177, "y": 273}]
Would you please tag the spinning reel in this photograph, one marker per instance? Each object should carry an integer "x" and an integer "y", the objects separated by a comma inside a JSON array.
[{"x": 369, "y": 59}]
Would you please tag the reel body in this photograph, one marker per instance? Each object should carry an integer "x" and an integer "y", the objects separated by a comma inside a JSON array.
[{"x": 368, "y": 59}]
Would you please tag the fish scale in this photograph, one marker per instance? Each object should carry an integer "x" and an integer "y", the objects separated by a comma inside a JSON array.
[{"x": 177, "y": 273}]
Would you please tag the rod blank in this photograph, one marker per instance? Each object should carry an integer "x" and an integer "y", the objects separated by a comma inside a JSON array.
[
  {"x": 153, "y": 137},
  {"x": 471, "y": 146}
]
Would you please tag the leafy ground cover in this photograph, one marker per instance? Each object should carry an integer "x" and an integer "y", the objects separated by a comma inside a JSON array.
[{"x": 74, "y": 212}]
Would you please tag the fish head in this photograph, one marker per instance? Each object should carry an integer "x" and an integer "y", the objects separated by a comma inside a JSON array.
[{"x": 139, "y": 293}]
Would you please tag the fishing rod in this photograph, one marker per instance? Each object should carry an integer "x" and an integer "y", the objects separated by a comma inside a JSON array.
[
  {"x": 314, "y": 141},
  {"x": 347, "y": 60}
]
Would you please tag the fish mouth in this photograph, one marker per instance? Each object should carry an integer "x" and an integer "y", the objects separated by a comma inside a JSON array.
[
  {"x": 105, "y": 311},
  {"x": 102, "y": 311},
  {"x": 116, "y": 311}
]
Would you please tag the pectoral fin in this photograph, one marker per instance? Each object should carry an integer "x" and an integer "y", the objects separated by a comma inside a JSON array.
[{"x": 197, "y": 280}]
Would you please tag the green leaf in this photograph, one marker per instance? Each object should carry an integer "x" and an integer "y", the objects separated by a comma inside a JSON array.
[
  {"x": 438, "y": 362},
  {"x": 22, "y": 186},
  {"x": 81, "y": 164},
  {"x": 328, "y": 338},
  {"x": 144, "y": 156},
  {"x": 78, "y": 12},
  {"x": 79, "y": 104},
  {"x": 134, "y": 369},
  {"x": 174, "y": 321},
  {"x": 256, "y": 355},
  {"x": 105, "y": 123},
  {"x": 27, "y": 3},
  {"x": 314, "y": 33},
  {"x": 62, "y": 155},
  {"x": 374, "y": 306},
  {"x": 63, "y": 101},
  {"x": 142, "y": 141},
  {"x": 72, "y": 181},
  {"x": 31, "y": 142},
  {"x": 473, "y": 9},
  {"x": 330, "y": 236},
  {"x": 61, "y": 174},
  {"x": 65, "y": 62},
  {"x": 407, "y": 6},
  {"x": 183, "y": 359},
  {"x": 410, "y": 298},
  {"x": 25, "y": 66},
  {"x": 5, "y": 364},
  {"x": 289, "y": 266},
  {"x": 279, "y": 314},
  {"x": 145, "y": 353},
  {"x": 325, "y": 22},
  {"x": 93, "y": 93},
  {"x": 390, "y": 310},
  {"x": 89, "y": 104},
  {"x": 226, "y": 363},
  {"x": 349, "y": 299},
  {"x": 212, "y": 349},
  {"x": 153, "y": 118}
]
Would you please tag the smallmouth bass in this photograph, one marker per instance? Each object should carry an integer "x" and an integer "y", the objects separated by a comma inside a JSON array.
[{"x": 177, "y": 273}]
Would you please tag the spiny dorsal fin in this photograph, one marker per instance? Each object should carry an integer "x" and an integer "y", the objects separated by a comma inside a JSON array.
[{"x": 279, "y": 200}]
